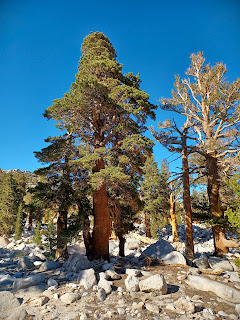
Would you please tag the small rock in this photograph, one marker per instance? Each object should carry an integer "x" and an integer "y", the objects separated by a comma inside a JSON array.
[
  {"x": 132, "y": 284},
  {"x": 121, "y": 311},
  {"x": 52, "y": 283},
  {"x": 154, "y": 283},
  {"x": 113, "y": 275},
  {"x": 87, "y": 278},
  {"x": 133, "y": 272},
  {"x": 103, "y": 283},
  {"x": 101, "y": 294},
  {"x": 39, "y": 301},
  {"x": 185, "y": 304},
  {"x": 152, "y": 307},
  {"x": 49, "y": 265},
  {"x": 4, "y": 242},
  {"x": 202, "y": 262},
  {"x": 69, "y": 297}
]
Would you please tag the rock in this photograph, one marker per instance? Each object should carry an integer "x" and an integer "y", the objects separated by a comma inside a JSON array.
[
  {"x": 16, "y": 314},
  {"x": 221, "y": 290},
  {"x": 4, "y": 242},
  {"x": 202, "y": 262},
  {"x": 69, "y": 297},
  {"x": 103, "y": 283},
  {"x": 52, "y": 283},
  {"x": 219, "y": 263},
  {"x": 25, "y": 263},
  {"x": 39, "y": 301},
  {"x": 101, "y": 294},
  {"x": 132, "y": 284},
  {"x": 113, "y": 275},
  {"x": 154, "y": 283},
  {"x": 49, "y": 265},
  {"x": 28, "y": 282},
  {"x": 163, "y": 250},
  {"x": 133, "y": 272},
  {"x": 77, "y": 262},
  {"x": 40, "y": 255},
  {"x": 237, "y": 308},
  {"x": 185, "y": 304},
  {"x": 87, "y": 278},
  {"x": 152, "y": 307},
  {"x": 108, "y": 266},
  {"x": 37, "y": 263},
  {"x": 137, "y": 306},
  {"x": 131, "y": 244},
  {"x": 121, "y": 311},
  {"x": 8, "y": 301}
]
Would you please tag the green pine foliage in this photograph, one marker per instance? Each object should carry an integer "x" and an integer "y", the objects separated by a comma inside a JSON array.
[
  {"x": 37, "y": 238},
  {"x": 19, "y": 223},
  {"x": 155, "y": 195},
  {"x": 109, "y": 106},
  {"x": 8, "y": 204}
]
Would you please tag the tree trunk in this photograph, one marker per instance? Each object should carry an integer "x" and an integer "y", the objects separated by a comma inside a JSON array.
[
  {"x": 189, "y": 248},
  {"x": 146, "y": 222},
  {"x": 173, "y": 219},
  {"x": 214, "y": 204},
  {"x": 101, "y": 229},
  {"x": 30, "y": 221},
  {"x": 61, "y": 242},
  {"x": 87, "y": 235},
  {"x": 121, "y": 244}
]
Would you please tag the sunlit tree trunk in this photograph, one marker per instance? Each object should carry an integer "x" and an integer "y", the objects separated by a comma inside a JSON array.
[
  {"x": 101, "y": 229},
  {"x": 189, "y": 248},
  {"x": 173, "y": 219},
  {"x": 215, "y": 208}
]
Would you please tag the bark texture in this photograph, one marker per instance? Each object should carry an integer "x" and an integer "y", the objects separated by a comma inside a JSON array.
[
  {"x": 215, "y": 208},
  {"x": 61, "y": 242},
  {"x": 173, "y": 219},
  {"x": 189, "y": 248}
]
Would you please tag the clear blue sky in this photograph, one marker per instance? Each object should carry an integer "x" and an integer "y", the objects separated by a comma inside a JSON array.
[{"x": 40, "y": 48}]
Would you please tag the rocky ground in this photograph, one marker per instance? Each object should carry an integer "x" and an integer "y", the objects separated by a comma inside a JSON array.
[{"x": 134, "y": 287}]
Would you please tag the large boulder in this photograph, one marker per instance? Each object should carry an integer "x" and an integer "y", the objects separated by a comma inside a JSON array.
[
  {"x": 87, "y": 278},
  {"x": 77, "y": 262},
  {"x": 154, "y": 283},
  {"x": 49, "y": 265},
  {"x": 219, "y": 263},
  {"x": 8, "y": 301},
  {"x": 28, "y": 281},
  {"x": 25, "y": 263},
  {"x": 164, "y": 251},
  {"x": 221, "y": 290}
]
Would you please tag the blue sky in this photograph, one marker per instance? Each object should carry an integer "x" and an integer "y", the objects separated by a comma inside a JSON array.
[{"x": 40, "y": 48}]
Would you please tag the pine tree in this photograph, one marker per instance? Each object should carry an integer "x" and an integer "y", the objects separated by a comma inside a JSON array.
[
  {"x": 19, "y": 222},
  {"x": 155, "y": 196},
  {"x": 211, "y": 105},
  {"x": 37, "y": 238},
  {"x": 101, "y": 105},
  {"x": 8, "y": 204}
]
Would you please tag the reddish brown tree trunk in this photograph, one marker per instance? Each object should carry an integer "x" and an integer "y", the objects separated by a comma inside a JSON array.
[
  {"x": 121, "y": 244},
  {"x": 214, "y": 204},
  {"x": 173, "y": 219},
  {"x": 101, "y": 229},
  {"x": 30, "y": 221},
  {"x": 146, "y": 222},
  {"x": 189, "y": 248},
  {"x": 61, "y": 242}
]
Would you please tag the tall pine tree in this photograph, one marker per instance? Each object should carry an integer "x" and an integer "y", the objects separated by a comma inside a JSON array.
[{"x": 101, "y": 104}]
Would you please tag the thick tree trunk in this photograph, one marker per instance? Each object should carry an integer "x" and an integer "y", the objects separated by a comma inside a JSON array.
[
  {"x": 214, "y": 204},
  {"x": 146, "y": 222},
  {"x": 173, "y": 219},
  {"x": 101, "y": 229},
  {"x": 189, "y": 248},
  {"x": 61, "y": 242}
]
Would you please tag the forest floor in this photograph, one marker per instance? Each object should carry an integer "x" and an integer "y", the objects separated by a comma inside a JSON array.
[{"x": 68, "y": 299}]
